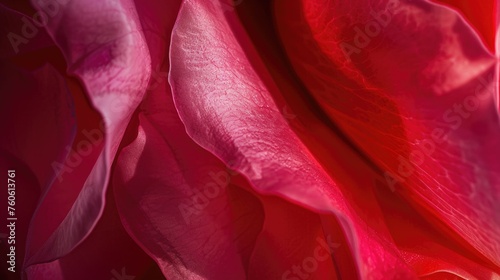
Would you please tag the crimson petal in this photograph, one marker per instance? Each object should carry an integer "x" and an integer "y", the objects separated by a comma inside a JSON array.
[
  {"x": 411, "y": 84},
  {"x": 483, "y": 15}
]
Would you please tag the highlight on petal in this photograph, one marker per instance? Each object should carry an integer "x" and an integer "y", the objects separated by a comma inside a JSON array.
[
  {"x": 208, "y": 228},
  {"x": 226, "y": 109},
  {"x": 104, "y": 47},
  {"x": 483, "y": 16},
  {"x": 426, "y": 113},
  {"x": 179, "y": 202}
]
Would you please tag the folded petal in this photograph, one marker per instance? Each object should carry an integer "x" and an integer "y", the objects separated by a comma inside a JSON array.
[
  {"x": 39, "y": 106},
  {"x": 108, "y": 251},
  {"x": 228, "y": 110},
  {"x": 38, "y": 122},
  {"x": 178, "y": 201},
  {"x": 104, "y": 47}
]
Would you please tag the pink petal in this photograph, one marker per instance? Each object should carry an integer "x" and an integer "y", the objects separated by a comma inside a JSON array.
[
  {"x": 227, "y": 109},
  {"x": 38, "y": 115},
  {"x": 39, "y": 106},
  {"x": 178, "y": 203},
  {"x": 161, "y": 173},
  {"x": 71, "y": 171},
  {"x": 103, "y": 45}
]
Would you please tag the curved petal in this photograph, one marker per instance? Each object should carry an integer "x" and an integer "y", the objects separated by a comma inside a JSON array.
[
  {"x": 483, "y": 16},
  {"x": 105, "y": 48},
  {"x": 228, "y": 110},
  {"x": 40, "y": 107},
  {"x": 209, "y": 227},
  {"x": 38, "y": 121},
  {"x": 293, "y": 245},
  {"x": 413, "y": 87},
  {"x": 108, "y": 251},
  {"x": 424, "y": 247},
  {"x": 71, "y": 171},
  {"x": 178, "y": 201}
]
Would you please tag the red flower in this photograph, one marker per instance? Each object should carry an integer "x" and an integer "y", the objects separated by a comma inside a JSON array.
[{"x": 241, "y": 140}]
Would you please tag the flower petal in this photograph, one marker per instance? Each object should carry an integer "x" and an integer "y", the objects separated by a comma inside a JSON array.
[
  {"x": 424, "y": 247},
  {"x": 40, "y": 107},
  {"x": 426, "y": 113},
  {"x": 105, "y": 48},
  {"x": 483, "y": 16},
  {"x": 178, "y": 201},
  {"x": 117, "y": 254},
  {"x": 21, "y": 33},
  {"x": 228, "y": 110},
  {"x": 38, "y": 115}
]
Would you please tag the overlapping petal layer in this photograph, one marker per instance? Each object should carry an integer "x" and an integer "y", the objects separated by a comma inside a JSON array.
[
  {"x": 414, "y": 88},
  {"x": 408, "y": 82},
  {"x": 483, "y": 15},
  {"x": 228, "y": 110},
  {"x": 175, "y": 199},
  {"x": 40, "y": 101},
  {"x": 107, "y": 253},
  {"x": 178, "y": 201},
  {"x": 104, "y": 47}
]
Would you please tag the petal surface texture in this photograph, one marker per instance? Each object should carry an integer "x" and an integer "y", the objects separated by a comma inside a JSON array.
[
  {"x": 411, "y": 84},
  {"x": 104, "y": 47},
  {"x": 228, "y": 110}
]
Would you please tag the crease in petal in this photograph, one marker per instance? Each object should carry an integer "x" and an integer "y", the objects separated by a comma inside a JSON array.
[
  {"x": 179, "y": 202},
  {"x": 104, "y": 47},
  {"x": 227, "y": 109}
]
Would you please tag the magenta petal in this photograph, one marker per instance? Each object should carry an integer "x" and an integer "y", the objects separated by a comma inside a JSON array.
[
  {"x": 294, "y": 237},
  {"x": 39, "y": 106},
  {"x": 103, "y": 45},
  {"x": 178, "y": 201},
  {"x": 38, "y": 122},
  {"x": 227, "y": 110}
]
